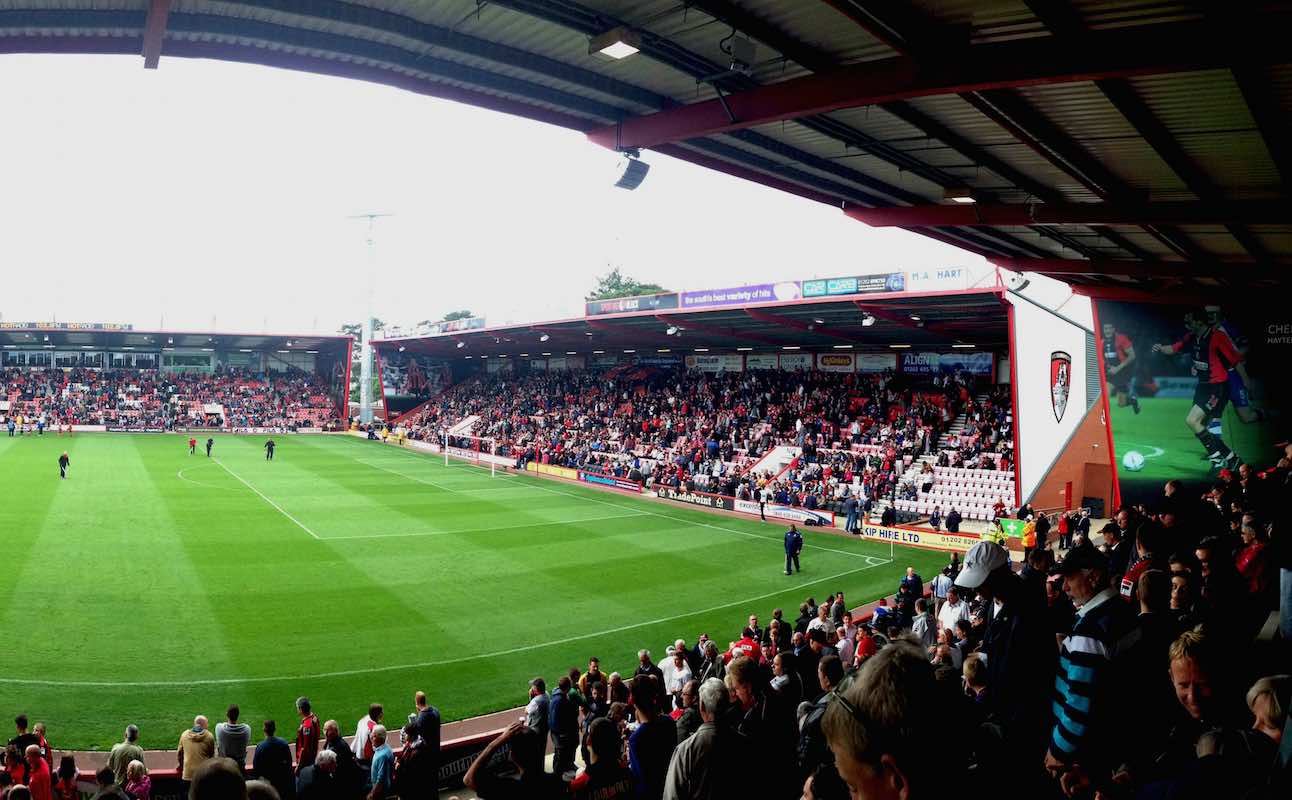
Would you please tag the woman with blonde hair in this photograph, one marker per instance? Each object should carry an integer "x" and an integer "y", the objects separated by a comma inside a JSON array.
[
  {"x": 1268, "y": 700},
  {"x": 138, "y": 784}
]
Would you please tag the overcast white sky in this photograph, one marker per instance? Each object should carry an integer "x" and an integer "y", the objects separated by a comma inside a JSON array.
[{"x": 212, "y": 195}]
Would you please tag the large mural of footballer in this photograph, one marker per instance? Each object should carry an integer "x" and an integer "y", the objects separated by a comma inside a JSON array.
[
  {"x": 1186, "y": 391},
  {"x": 410, "y": 379}
]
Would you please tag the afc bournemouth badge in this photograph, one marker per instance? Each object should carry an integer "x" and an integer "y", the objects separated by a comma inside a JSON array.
[{"x": 1060, "y": 382}]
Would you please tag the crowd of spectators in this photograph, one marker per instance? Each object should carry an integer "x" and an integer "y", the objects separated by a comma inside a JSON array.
[
  {"x": 142, "y": 398},
  {"x": 705, "y": 432},
  {"x": 227, "y": 765}
]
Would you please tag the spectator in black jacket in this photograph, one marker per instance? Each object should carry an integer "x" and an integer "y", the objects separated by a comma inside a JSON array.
[
  {"x": 319, "y": 781},
  {"x": 1021, "y": 659},
  {"x": 273, "y": 762},
  {"x": 953, "y": 521}
]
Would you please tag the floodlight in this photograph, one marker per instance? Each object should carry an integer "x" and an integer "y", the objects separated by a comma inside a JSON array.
[
  {"x": 544, "y": 338},
  {"x": 619, "y": 42},
  {"x": 867, "y": 320},
  {"x": 630, "y": 171},
  {"x": 461, "y": 345},
  {"x": 959, "y": 194}
]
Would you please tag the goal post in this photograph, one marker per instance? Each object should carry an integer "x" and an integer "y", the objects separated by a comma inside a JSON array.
[{"x": 479, "y": 449}]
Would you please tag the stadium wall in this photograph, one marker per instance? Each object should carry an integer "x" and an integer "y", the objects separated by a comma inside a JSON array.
[{"x": 1056, "y": 384}]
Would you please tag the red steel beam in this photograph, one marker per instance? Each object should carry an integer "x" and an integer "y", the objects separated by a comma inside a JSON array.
[
  {"x": 1114, "y": 213},
  {"x": 155, "y": 32},
  {"x": 776, "y": 319},
  {"x": 1122, "y": 52},
  {"x": 1137, "y": 269}
]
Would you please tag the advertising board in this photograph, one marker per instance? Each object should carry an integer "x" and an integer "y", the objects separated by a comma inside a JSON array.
[
  {"x": 742, "y": 295},
  {"x": 718, "y": 363},
  {"x": 836, "y": 362},
  {"x": 855, "y": 284},
  {"x": 620, "y": 305},
  {"x": 702, "y": 499},
  {"x": 774, "y": 510}
]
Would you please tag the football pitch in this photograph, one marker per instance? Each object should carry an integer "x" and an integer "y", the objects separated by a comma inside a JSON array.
[
  {"x": 153, "y": 585},
  {"x": 1171, "y": 450}
]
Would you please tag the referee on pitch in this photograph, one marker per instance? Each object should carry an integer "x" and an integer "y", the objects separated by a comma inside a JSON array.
[{"x": 793, "y": 546}]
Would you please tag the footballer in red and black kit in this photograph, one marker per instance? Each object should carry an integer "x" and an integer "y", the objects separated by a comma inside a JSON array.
[
  {"x": 1119, "y": 366},
  {"x": 1214, "y": 355}
]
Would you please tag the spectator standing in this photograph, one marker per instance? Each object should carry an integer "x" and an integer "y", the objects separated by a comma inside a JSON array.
[
  {"x": 604, "y": 777},
  {"x": 108, "y": 790},
  {"x": 953, "y": 610},
  {"x": 1084, "y": 733},
  {"x": 593, "y": 675},
  {"x": 39, "y": 780},
  {"x": 880, "y": 729},
  {"x": 536, "y": 712},
  {"x": 646, "y": 667},
  {"x": 24, "y": 737},
  {"x": 123, "y": 753},
  {"x": 383, "y": 765},
  {"x": 925, "y": 626},
  {"x": 362, "y": 743},
  {"x": 563, "y": 722},
  {"x": 65, "y": 787},
  {"x": 1021, "y": 658},
  {"x": 953, "y": 521},
  {"x": 138, "y": 784},
  {"x": 426, "y": 721},
  {"x": 767, "y": 723},
  {"x": 793, "y": 546},
  {"x": 320, "y": 781},
  {"x": 651, "y": 743},
  {"x": 708, "y": 764},
  {"x": 676, "y": 675},
  {"x": 526, "y": 755},
  {"x": 307, "y": 735},
  {"x": 348, "y": 773},
  {"x": 232, "y": 737},
  {"x": 272, "y": 760},
  {"x": 196, "y": 745}
]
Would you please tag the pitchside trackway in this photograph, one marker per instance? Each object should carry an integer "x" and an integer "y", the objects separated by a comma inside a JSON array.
[{"x": 153, "y": 585}]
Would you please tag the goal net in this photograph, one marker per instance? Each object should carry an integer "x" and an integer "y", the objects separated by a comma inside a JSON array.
[{"x": 479, "y": 450}]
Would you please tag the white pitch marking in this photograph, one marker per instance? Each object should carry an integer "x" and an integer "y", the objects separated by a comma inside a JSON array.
[
  {"x": 277, "y": 507},
  {"x": 424, "y": 664},
  {"x": 482, "y": 530}
]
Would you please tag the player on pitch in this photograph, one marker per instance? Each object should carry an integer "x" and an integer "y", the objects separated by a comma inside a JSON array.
[
  {"x": 1214, "y": 354},
  {"x": 192, "y": 445},
  {"x": 63, "y": 462},
  {"x": 1119, "y": 360}
]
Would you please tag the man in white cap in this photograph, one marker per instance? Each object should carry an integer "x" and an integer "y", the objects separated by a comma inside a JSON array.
[{"x": 1021, "y": 656}]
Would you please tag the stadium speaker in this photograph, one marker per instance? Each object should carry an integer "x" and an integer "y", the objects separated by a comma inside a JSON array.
[{"x": 631, "y": 171}]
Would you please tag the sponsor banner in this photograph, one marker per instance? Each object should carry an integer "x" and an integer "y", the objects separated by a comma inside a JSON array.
[
  {"x": 793, "y": 361},
  {"x": 697, "y": 498},
  {"x": 875, "y": 363},
  {"x": 742, "y": 295},
  {"x": 610, "y": 480},
  {"x": 857, "y": 284},
  {"x": 619, "y": 305},
  {"x": 66, "y": 326},
  {"x": 723, "y": 363},
  {"x": 538, "y": 365},
  {"x": 604, "y": 359},
  {"x": 554, "y": 364},
  {"x": 824, "y": 518},
  {"x": 933, "y": 540},
  {"x": 456, "y": 758},
  {"x": 974, "y": 362},
  {"x": 938, "y": 280},
  {"x": 663, "y": 360},
  {"x": 920, "y": 363},
  {"x": 836, "y": 362},
  {"x": 555, "y": 471},
  {"x": 761, "y": 361},
  {"x": 120, "y": 429}
]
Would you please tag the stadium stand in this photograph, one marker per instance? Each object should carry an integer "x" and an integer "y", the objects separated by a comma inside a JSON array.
[
  {"x": 854, "y": 435},
  {"x": 143, "y": 398}
]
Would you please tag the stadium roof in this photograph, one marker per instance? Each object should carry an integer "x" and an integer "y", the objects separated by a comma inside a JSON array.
[
  {"x": 1125, "y": 142},
  {"x": 19, "y": 335},
  {"x": 969, "y": 317}
]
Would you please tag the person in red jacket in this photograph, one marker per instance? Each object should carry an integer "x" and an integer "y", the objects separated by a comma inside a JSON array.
[
  {"x": 307, "y": 735},
  {"x": 38, "y": 777}
]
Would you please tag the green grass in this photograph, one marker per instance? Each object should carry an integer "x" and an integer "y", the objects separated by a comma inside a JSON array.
[
  {"x": 153, "y": 585},
  {"x": 1170, "y": 448}
]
